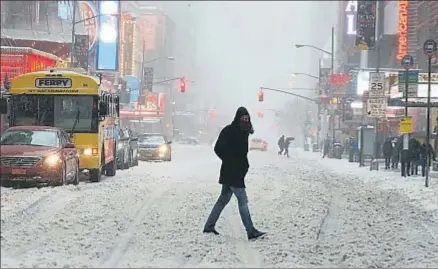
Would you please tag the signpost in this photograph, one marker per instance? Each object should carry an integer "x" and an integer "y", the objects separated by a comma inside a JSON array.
[
  {"x": 408, "y": 82},
  {"x": 148, "y": 78},
  {"x": 406, "y": 125},
  {"x": 429, "y": 49},
  {"x": 410, "y": 79},
  {"x": 377, "y": 99}
]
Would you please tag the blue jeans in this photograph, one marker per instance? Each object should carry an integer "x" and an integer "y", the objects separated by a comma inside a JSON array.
[{"x": 222, "y": 201}]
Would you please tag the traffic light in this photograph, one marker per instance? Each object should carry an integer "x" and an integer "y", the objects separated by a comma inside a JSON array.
[
  {"x": 182, "y": 85},
  {"x": 212, "y": 114},
  {"x": 261, "y": 95}
]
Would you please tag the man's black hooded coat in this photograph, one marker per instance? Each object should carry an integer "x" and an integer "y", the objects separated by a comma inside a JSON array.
[{"x": 232, "y": 148}]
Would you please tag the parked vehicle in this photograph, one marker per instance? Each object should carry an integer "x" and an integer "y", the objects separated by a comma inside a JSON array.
[
  {"x": 79, "y": 104},
  {"x": 127, "y": 149},
  {"x": 154, "y": 147},
  {"x": 38, "y": 155},
  {"x": 258, "y": 144}
]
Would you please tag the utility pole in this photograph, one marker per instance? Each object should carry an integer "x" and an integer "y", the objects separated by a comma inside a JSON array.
[
  {"x": 332, "y": 121},
  {"x": 376, "y": 144},
  {"x": 141, "y": 84},
  {"x": 73, "y": 33},
  {"x": 318, "y": 127}
]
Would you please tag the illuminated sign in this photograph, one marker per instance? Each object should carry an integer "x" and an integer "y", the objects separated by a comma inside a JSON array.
[
  {"x": 108, "y": 41},
  {"x": 53, "y": 83},
  {"x": 88, "y": 13},
  {"x": 366, "y": 25},
  {"x": 351, "y": 12},
  {"x": 126, "y": 44},
  {"x": 402, "y": 29}
]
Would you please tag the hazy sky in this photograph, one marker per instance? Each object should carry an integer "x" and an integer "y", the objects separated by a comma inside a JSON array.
[{"x": 242, "y": 45}]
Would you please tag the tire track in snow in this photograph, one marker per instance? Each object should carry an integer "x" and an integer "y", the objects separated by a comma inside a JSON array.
[
  {"x": 113, "y": 258},
  {"x": 249, "y": 256},
  {"x": 34, "y": 213}
]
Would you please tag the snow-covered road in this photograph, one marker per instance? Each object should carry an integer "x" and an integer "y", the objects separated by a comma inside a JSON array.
[{"x": 317, "y": 213}]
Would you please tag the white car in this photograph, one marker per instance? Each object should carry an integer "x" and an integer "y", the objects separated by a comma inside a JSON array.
[{"x": 258, "y": 144}]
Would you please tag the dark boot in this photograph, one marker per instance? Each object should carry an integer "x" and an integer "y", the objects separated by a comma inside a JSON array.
[
  {"x": 211, "y": 231},
  {"x": 255, "y": 234}
]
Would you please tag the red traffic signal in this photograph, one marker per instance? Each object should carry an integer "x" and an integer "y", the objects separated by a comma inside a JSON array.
[
  {"x": 261, "y": 95},
  {"x": 212, "y": 114},
  {"x": 182, "y": 85}
]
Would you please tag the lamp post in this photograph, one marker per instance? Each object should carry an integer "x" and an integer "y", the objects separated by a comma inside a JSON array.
[
  {"x": 332, "y": 54},
  {"x": 305, "y": 74},
  {"x": 319, "y": 105}
]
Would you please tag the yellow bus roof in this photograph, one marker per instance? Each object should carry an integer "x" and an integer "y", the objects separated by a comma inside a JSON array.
[{"x": 55, "y": 82}]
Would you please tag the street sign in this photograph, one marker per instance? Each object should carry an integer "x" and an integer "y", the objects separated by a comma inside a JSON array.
[
  {"x": 412, "y": 81},
  {"x": 430, "y": 47},
  {"x": 148, "y": 77},
  {"x": 377, "y": 85},
  {"x": 407, "y": 62},
  {"x": 377, "y": 107},
  {"x": 406, "y": 126}
]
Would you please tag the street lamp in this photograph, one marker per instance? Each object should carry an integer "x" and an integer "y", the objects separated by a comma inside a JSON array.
[
  {"x": 311, "y": 46},
  {"x": 305, "y": 74},
  {"x": 332, "y": 54},
  {"x": 170, "y": 58}
]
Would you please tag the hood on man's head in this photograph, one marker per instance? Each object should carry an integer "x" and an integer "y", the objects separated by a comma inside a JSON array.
[{"x": 241, "y": 111}]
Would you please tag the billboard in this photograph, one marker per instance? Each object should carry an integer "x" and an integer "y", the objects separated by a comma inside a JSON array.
[
  {"x": 153, "y": 106},
  {"x": 108, "y": 39},
  {"x": 366, "y": 25},
  {"x": 88, "y": 12},
  {"x": 402, "y": 29},
  {"x": 148, "y": 26},
  {"x": 89, "y": 16},
  {"x": 350, "y": 13}
]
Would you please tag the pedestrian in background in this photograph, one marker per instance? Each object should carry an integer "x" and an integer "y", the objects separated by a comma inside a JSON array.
[
  {"x": 286, "y": 145},
  {"x": 396, "y": 148},
  {"x": 387, "y": 152},
  {"x": 280, "y": 144}
]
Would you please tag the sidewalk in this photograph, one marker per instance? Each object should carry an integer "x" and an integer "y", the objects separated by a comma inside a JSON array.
[{"x": 392, "y": 180}]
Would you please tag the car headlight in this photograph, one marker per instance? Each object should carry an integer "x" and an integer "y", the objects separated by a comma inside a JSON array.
[
  {"x": 162, "y": 149},
  {"x": 52, "y": 160},
  {"x": 90, "y": 151}
]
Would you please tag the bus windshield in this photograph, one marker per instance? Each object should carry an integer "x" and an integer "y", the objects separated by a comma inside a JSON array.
[{"x": 56, "y": 110}]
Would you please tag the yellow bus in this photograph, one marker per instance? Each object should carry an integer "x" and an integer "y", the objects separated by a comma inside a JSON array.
[{"x": 75, "y": 102}]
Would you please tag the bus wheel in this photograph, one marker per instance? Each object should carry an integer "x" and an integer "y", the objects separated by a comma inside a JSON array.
[
  {"x": 110, "y": 168},
  {"x": 95, "y": 175}
]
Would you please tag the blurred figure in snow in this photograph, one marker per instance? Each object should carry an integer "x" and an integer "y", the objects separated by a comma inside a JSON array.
[
  {"x": 387, "y": 152},
  {"x": 286, "y": 145},
  {"x": 326, "y": 147},
  {"x": 280, "y": 144},
  {"x": 232, "y": 148}
]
